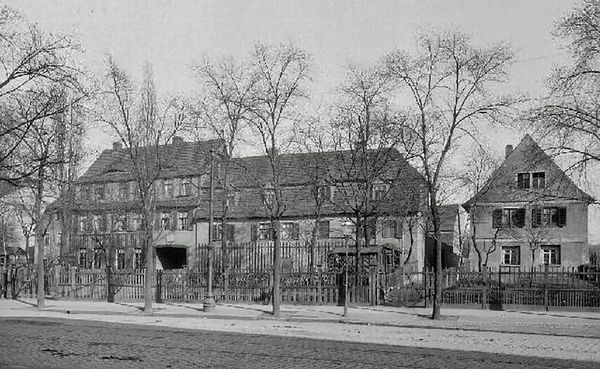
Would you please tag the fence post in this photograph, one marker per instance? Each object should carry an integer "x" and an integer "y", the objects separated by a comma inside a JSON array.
[
  {"x": 425, "y": 285},
  {"x": 546, "y": 286},
  {"x": 484, "y": 290},
  {"x": 319, "y": 286},
  {"x": 159, "y": 286}
]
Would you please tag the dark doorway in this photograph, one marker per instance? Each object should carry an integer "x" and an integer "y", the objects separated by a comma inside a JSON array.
[{"x": 172, "y": 257}]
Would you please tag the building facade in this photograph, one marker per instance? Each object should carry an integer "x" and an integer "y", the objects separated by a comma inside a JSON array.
[
  {"x": 529, "y": 213},
  {"x": 320, "y": 191}
]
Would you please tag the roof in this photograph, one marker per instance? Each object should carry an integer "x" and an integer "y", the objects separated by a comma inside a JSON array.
[
  {"x": 528, "y": 157},
  {"x": 176, "y": 160},
  {"x": 300, "y": 173},
  {"x": 448, "y": 215}
]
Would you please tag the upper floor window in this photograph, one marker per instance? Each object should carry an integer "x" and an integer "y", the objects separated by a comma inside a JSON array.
[
  {"x": 99, "y": 193},
  {"x": 186, "y": 187},
  {"x": 551, "y": 254},
  {"x": 232, "y": 199},
  {"x": 549, "y": 216},
  {"x": 165, "y": 221},
  {"x": 268, "y": 197},
  {"x": 507, "y": 218},
  {"x": 380, "y": 190},
  {"x": 183, "y": 223},
  {"x": 538, "y": 180},
  {"x": 123, "y": 191},
  {"x": 168, "y": 188},
  {"x": 523, "y": 180},
  {"x": 389, "y": 228},
  {"x": 324, "y": 193},
  {"x": 511, "y": 255}
]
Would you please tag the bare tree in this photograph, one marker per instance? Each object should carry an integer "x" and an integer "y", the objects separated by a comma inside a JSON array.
[
  {"x": 569, "y": 117},
  {"x": 142, "y": 127},
  {"x": 280, "y": 73},
  {"x": 30, "y": 59},
  {"x": 448, "y": 81},
  {"x": 224, "y": 110}
]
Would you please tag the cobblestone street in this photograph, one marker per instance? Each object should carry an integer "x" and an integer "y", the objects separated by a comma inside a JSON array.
[{"x": 55, "y": 343}]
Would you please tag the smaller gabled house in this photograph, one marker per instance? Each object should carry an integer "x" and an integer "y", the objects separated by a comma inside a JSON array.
[{"x": 529, "y": 213}]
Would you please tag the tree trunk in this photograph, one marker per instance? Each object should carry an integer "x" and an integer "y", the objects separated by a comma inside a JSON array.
[
  {"x": 437, "y": 288},
  {"x": 276, "y": 295},
  {"x": 39, "y": 239},
  {"x": 149, "y": 273}
]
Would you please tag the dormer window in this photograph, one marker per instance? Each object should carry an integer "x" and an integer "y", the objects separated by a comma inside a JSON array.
[
  {"x": 324, "y": 193},
  {"x": 186, "y": 187},
  {"x": 380, "y": 190},
  {"x": 168, "y": 188},
  {"x": 538, "y": 180},
  {"x": 268, "y": 197}
]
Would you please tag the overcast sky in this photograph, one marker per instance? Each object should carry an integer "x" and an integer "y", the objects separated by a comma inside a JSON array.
[{"x": 172, "y": 34}]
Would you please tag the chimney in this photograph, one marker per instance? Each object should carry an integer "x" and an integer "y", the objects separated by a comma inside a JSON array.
[
  {"x": 508, "y": 150},
  {"x": 177, "y": 140},
  {"x": 117, "y": 145}
]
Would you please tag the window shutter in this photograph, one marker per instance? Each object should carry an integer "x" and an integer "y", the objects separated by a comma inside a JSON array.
[
  {"x": 536, "y": 218},
  {"x": 295, "y": 231},
  {"x": 253, "y": 232},
  {"x": 397, "y": 229},
  {"x": 520, "y": 218},
  {"x": 562, "y": 217},
  {"x": 497, "y": 218}
]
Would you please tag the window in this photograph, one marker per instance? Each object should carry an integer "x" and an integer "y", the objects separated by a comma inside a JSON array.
[
  {"x": 182, "y": 221},
  {"x": 323, "y": 230},
  {"x": 168, "y": 188},
  {"x": 324, "y": 193},
  {"x": 232, "y": 199},
  {"x": 268, "y": 197},
  {"x": 99, "y": 223},
  {"x": 99, "y": 192},
  {"x": 120, "y": 259},
  {"x": 508, "y": 218},
  {"x": 137, "y": 258},
  {"x": 551, "y": 254},
  {"x": 262, "y": 231},
  {"x": 97, "y": 263},
  {"x": 549, "y": 217},
  {"x": 389, "y": 228},
  {"x": 229, "y": 232},
  {"x": 119, "y": 222},
  {"x": 523, "y": 180},
  {"x": 186, "y": 187},
  {"x": 82, "y": 258},
  {"x": 290, "y": 231},
  {"x": 165, "y": 221},
  {"x": 538, "y": 180},
  {"x": 133, "y": 222},
  {"x": 123, "y": 191},
  {"x": 82, "y": 224},
  {"x": 380, "y": 191},
  {"x": 511, "y": 255}
]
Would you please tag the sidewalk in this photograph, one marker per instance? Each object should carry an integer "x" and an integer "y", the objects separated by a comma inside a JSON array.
[
  {"x": 570, "y": 324},
  {"x": 564, "y": 335}
]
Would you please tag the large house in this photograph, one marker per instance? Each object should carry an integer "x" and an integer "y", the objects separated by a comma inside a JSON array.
[
  {"x": 319, "y": 190},
  {"x": 529, "y": 213}
]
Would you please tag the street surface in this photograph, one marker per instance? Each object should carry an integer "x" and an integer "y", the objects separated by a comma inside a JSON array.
[{"x": 56, "y": 343}]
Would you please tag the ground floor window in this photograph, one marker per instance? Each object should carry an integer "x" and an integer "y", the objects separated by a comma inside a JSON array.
[
  {"x": 120, "y": 259},
  {"x": 290, "y": 231},
  {"x": 97, "y": 259},
  {"x": 137, "y": 258},
  {"x": 511, "y": 255},
  {"x": 323, "y": 230},
  {"x": 82, "y": 258},
  {"x": 551, "y": 254}
]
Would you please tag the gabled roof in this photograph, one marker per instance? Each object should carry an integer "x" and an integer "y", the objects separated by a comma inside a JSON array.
[
  {"x": 176, "y": 159},
  {"x": 528, "y": 157},
  {"x": 300, "y": 173}
]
